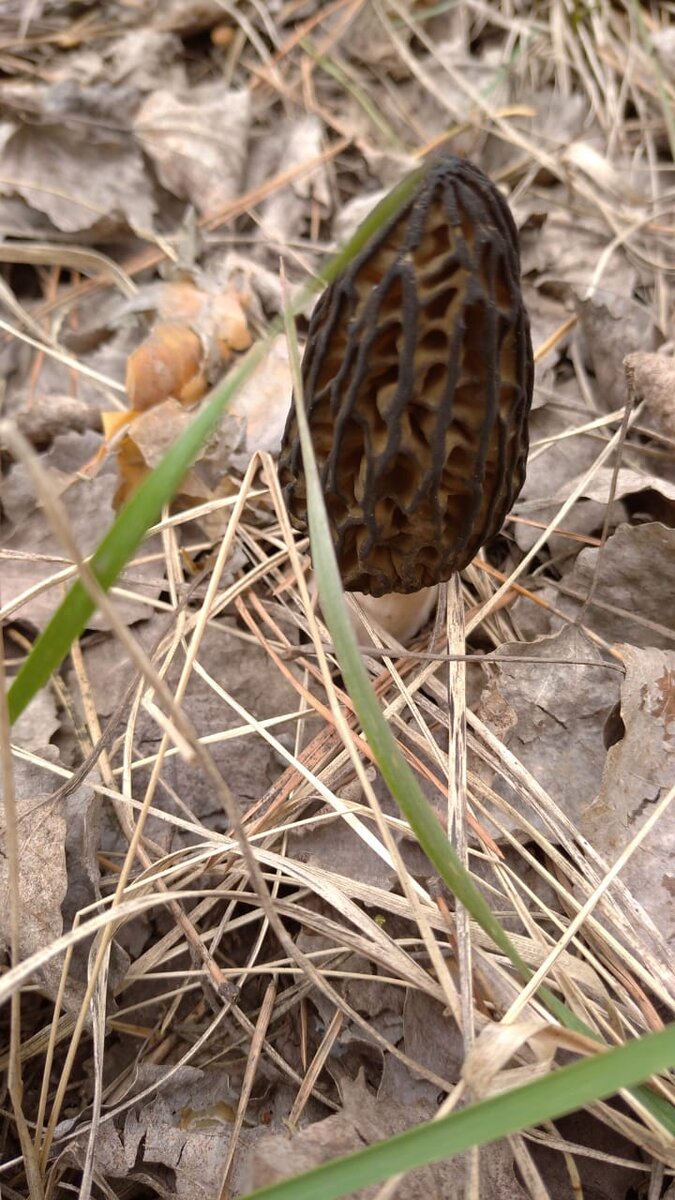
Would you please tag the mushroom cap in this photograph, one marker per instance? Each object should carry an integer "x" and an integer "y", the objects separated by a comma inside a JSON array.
[{"x": 417, "y": 378}]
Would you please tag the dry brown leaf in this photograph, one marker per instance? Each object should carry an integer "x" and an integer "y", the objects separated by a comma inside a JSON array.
[
  {"x": 37, "y": 723},
  {"x": 199, "y": 332},
  {"x": 639, "y": 770},
  {"x": 551, "y": 468},
  {"x": 613, "y": 326},
  {"x": 185, "y": 16},
  {"x": 42, "y": 863},
  {"x": 143, "y": 56},
  {"x": 32, "y": 553},
  {"x": 210, "y": 476},
  {"x": 636, "y": 574},
  {"x": 439, "y": 94},
  {"x": 184, "y": 1128},
  {"x": 284, "y": 213},
  {"x": 42, "y": 417},
  {"x": 230, "y": 325},
  {"x": 337, "y": 848},
  {"x": 563, "y": 254},
  {"x": 73, "y": 160},
  {"x": 551, "y": 716},
  {"x": 144, "y": 446},
  {"x": 169, "y": 363},
  {"x": 431, "y": 1036},
  {"x": 197, "y": 140},
  {"x": 363, "y": 1120},
  {"x": 249, "y": 766},
  {"x": 589, "y": 514},
  {"x": 627, "y": 482},
  {"x": 262, "y": 403},
  {"x": 653, "y": 376},
  {"x": 546, "y": 316}
]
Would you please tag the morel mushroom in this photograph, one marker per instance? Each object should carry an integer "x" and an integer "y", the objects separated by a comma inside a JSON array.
[{"x": 417, "y": 377}]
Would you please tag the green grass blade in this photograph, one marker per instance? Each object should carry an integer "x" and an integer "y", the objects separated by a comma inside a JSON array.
[{"x": 563, "y": 1091}]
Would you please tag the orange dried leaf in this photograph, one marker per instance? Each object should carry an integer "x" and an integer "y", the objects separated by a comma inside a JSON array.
[
  {"x": 230, "y": 324},
  {"x": 168, "y": 363},
  {"x": 132, "y": 469},
  {"x": 114, "y": 421},
  {"x": 182, "y": 302}
]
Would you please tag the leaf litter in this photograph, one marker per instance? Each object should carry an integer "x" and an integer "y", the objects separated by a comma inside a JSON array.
[{"x": 156, "y": 167}]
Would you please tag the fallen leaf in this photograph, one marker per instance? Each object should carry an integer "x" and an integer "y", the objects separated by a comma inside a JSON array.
[
  {"x": 249, "y": 765},
  {"x": 42, "y": 864},
  {"x": 589, "y": 513},
  {"x": 550, "y": 716},
  {"x": 32, "y": 554},
  {"x": 37, "y": 723},
  {"x": 365, "y": 1119},
  {"x": 613, "y": 326},
  {"x": 263, "y": 402},
  {"x": 74, "y": 161},
  {"x": 552, "y": 466},
  {"x": 144, "y": 55},
  {"x": 653, "y": 376},
  {"x": 197, "y": 140},
  {"x": 169, "y": 363},
  {"x": 639, "y": 770},
  {"x": 284, "y": 213},
  {"x": 186, "y": 16},
  {"x": 185, "y": 1128},
  {"x": 636, "y": 575},
  {"x": 562, "y": 254},
  {"x": 45, "y": 417}
]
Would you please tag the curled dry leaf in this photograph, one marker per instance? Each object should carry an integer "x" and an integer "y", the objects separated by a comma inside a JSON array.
[
  {"x": 653, "y": 378},
  {"x": 148, "y": 439},
  {"x": 45, "y": 417},
  {"x": 167, "y": 363},
  {"x": 198, "y": 333},
  {"x": 485, "y": 1068},
  {"x": 626, "y": 483},
  {"x": 639, "y": 770}
]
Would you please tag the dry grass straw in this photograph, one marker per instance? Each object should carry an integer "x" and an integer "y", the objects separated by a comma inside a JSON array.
[{"x": 586, "y": 939}]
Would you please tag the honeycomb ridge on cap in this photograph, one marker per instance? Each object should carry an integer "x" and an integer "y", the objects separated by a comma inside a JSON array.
[{"x": 417, "y": 377}]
